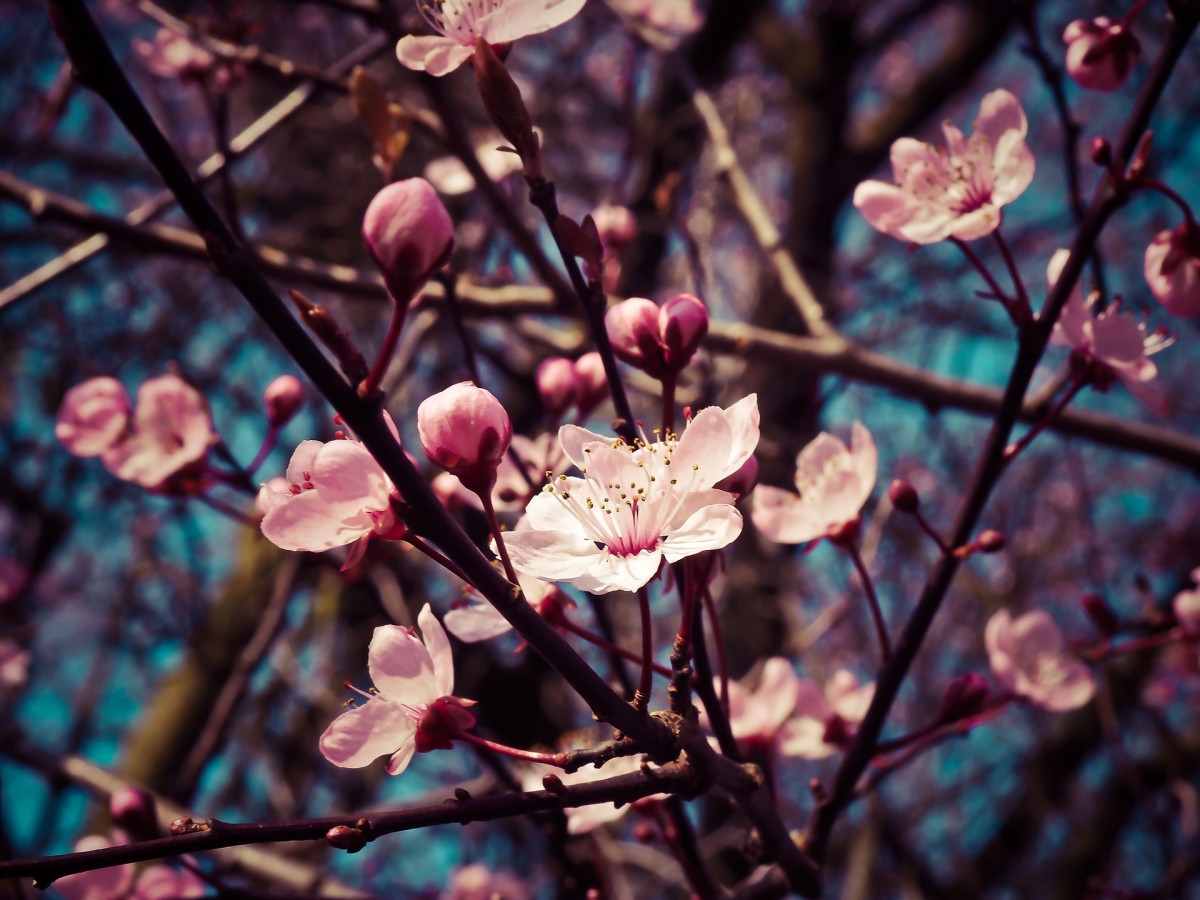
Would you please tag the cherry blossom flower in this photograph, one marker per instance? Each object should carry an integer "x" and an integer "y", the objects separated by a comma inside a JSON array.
[
  {"x": 955, "y": 192},
  {"x": 460, "y": 22},
  {"x": 1029, "y": 658},
  {"x": 466, "y": 431},
  {"x": 834, "y": 482},
  {"x": 171, "y": 435},
  {"x": 93, "y": 416},
  {"x": 171, "y": 55},
  {"x": 825, "y": 720},
  {"x": 409, "y": 234},
  {"x": 1100, "y": 53},
  {"x": 636, "y": 506},
  {"x": 281, "y": 399},
  {"x": 334, "y": 494},
  {"x": 478, "y": 620},
  {"x": 1172, "y": 269},
  {"x": 582, "y": 819},
  {"x": 478, "y": 882},
  {"x": 1187, "y": 606},
  {"x": 756, "y": 716},
  {"x": 411, "y": 710},
  {"x": 1113, "y": 345},
  {"x": 125, "y": 882},
  {"x": 14, "y": 663},
  {"x": 663, "y": 23}
]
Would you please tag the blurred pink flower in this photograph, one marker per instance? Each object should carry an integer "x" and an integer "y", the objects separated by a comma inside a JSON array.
[
  {"x": 1187, "y": 606},
  {"x": 615, "y": 225},
  {"x": 334, "y": 494},
  {"x": 757, "y": 716},
  {"x": 1172, "y": 269},
  {"x": 460, "y": 22},
  {"x": 14, "y": 663},
  {"x": 281, "y": 399},
  {"x": 411, "y": 706},
  {"x": 658, "y": 340},
  {"x": 451, "y": 177},
  {"x": 171, "y": 55},
  {"x": 478, "y": 620},
  {"x": 14, "y": 577},
  {"x": 478, "y": 882},
  {"x": 824, "y": 721},
  {"x": 636, "y": 506},
  {"x": 1116, "y": 346},
  {"x": 93, "y": 416},
  {"x": 125, "y": 882},
  {"x": 664, "y": 23},
  {"x": 834, "y": 482},
  {"x": 956, "y": 192},
  {"x": 1100, "y": 53},
  {"x": 582, "y": 819},
  {"x": 1029, "y": 658},
  {"x": 172, "y": 434}
]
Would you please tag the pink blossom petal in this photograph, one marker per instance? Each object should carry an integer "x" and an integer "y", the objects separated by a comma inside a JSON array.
[
  {"x": 401, "y": 667},
  {"x": 805, "y": 737},
  {"x": 438, "y": 646},
  {"x": 574, "y": 439},
  {"x": 346, "y": 474},
  {"x": 432, "y": 53},
  {"x": 303, "y": 461},
  {"x": 364, "y": 733},
  {"x": 477, "y": 622},
  {"x": 306, "y": 522},
  {"x": 999, "y": 113},
  {"x": 552, "y": 555},
  {"x": 93, "y": 416},
  {"x": 710, "y": 528},
  {"x": 612, "y": 572},
  {"x": 781, "y": 517},
  {"x": 520, "y": 18}
]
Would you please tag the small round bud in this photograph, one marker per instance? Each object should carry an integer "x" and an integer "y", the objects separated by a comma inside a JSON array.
[
  {"x": 558, "y": 385},
  {"x": 552, "y": 783},
  {"x": 904, "y": 496},
  {"x": 845, "y": 534},
  {"x": 1101, "y": 614},
  {"x": 282, "y": 398},
  {"x": 1100, "y": 53},
  {"x": 410, "y": 235},
  {"x": 465, "y": 431},
  {"x": 990, "y": 541},
  {"x": 593, "y": 382},
  {"x": 346, "y": 837},
  {"x": 1101, "y": 151},
  {"x": 965, "y": 697},
  {"x": 133, "y": 810},
  {"x": 682, "y": 326}
]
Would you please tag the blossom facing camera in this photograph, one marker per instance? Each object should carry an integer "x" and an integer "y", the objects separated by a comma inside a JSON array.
[
  {"x": 281, "y": 399},
  {"x": 1100, "y": 53},
  {"x": 1172, "y": 269},
  {"x": 1112, "y": 345},
  {"x": 825, "y": 720},
  {"x": 411, "y": 710},
  {"x": 756, "y": 716},
  {"x": 833, "y": 480},
  {"x": 459, "y": 23},
  {"x": 636, "y": 506},
  {"x": 409, "y": 234},
  {"x": 957, "y": 191},
  {"x": 465, "y": 431},
  {"x": 1028, "y": 657},
  {"x": 93, "y": 416}
]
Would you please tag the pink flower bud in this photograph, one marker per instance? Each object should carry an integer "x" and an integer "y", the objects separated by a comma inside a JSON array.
[
  {"x": 465, "y": 431},
  {"x": 282, "y": 398},
  {"x": 682, "y": 324},
  {"x": 990, "y": 541},
  {"x": 1101, "y": 151},
  {"x": 965, "y": 697},
  {"x": 632, "y": 327},
  {"x": 346, "y": 837},
  {"x": 1100, "y": 54},
  {"x": 615, "y": 224},
  {"x": 93, "y": 416},
  {"x": 593, "y": 382},
  {"x": 1172, "y": 270},
  {"x": 558, "y": 385},
  {"x": 133, "y": 811},
  {"x": 409, "y": 233}
]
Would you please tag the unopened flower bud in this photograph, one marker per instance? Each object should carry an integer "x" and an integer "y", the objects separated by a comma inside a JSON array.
[
  {"x": 558, "y": 385},
  {"x": 632, "y": 328},
  {"x": 965, "y": 697},
  {"x": 593, "y": 382},
  {"x": 282, "y": 398},
  {"x": 904, "y": 496},
  {"x": 505, "y": 107},
  {"x": 133, "y": 810},
  {"x": 838, "y": 731},
  {"x": 682, "y": 325},
  {"x": 1101, "y": 614},
  {"x": 990, "y": 541},
  {"x": 465, "y": 431},
  {"x": 410, "y": 235},
  {"x": 553, "y": 784},
  {"x": 1101, "y": 151},
  {"x": 615, "y": 224},
  {"x": 1100, "y": 53},
  {"x": 1172, "y": 269},
  {"x": 346, "y": 837},
  {"x": 1187, "y": 607}
]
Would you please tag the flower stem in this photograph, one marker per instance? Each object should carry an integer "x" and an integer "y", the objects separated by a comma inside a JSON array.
[
  {"x": 448, "y": 564},
  {"x": 268, "y": 444},
  {"x": 641, "y": 697},
  {"x": 1155, "y": 185},
  {"x": 446, "y": 279},
  {"x": 493, "y": 523},
  {"x": 714, "y": 623},
  {"x": 1026, "y": 439},
  {"x": 885, "y": 643},
  {"x": 550, "y": 759},
  {"x": 931, "y": 531},
  {"x": 581, "y": 632},
  {"x": 371, "y": 383},
  {"x": 668, "y": 403},
  {"x": 997, "y": 292},
  {"x": 1022, "y": 306}
]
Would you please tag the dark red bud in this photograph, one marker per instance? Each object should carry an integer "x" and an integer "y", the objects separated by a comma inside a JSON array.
[
  {"x": 846, "y": 534},
  {"x": 346, "y": 837},
  {"x": 1101, "y": 151},
  {"x": 990, "y": 541},
  {"x": 134, "y": 811},
  {"x": 1101, "y": 614},
  {"x": 965, "y": 697},
  {"x": 904, "y": 496}
]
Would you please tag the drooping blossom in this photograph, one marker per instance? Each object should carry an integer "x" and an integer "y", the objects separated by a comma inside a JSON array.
[
  {"x": 478, "y": 620},
  {"x": 412, "y": 708},
  {"x": 409, "y": 234},
  {"x": 334, "y": 494},
  {"x": 825, "y": 721},
  {"x": 478, "y": 882},
  {"x": 126, "y": 882},
  {"x": 171, "y": 436},
  {"x": 281, "y": 399},
  {"x": 1172, "y": 269},
  {"x": 1187, "y": 606},
  {"x": 833, "y": 480},
  {"x": 663, "y": 23},
  {"x": 1113, "y": 346},
  {"x": 956, "y": 191},
  {"x": 1028, "y": 657},
  {"x": 460, "y": 22},
  {"x": 93, "y": 416},
  {"x": 756, "y": 716},
  {"x": 659, "y": 341},
  {"x": 582, "y": 819},
  {"x": 636, "y": 506},
  {"x": 1100, "y": 53},
  {"x": 466, "y": 431}
]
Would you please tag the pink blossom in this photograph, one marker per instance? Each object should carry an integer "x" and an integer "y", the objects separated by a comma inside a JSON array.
[
  {"x": 834, "y": 482},
  {"x": 1113, "y": 345},
  {"x": 460, "y": 22},
  {"x": 409, "y": 233},
  {"x": 1187, "y": 606},
  {"x": 1028, "y": 657},
  {"x": 451, "y": 177},
  {"x": 281, "y": 399},
  {"x": 478, "y": 882},
  {"x": 1100, "y": 53},
  {"x": 636, "y": 506},
  {"x": 466, "y": 431},
  {"x": 125, "y": 882},
  {"x": 171, "y": 55},
  {"x": 478, "y": 620},
  {"x": 757, "y": 716},
  {"x": 593, "y": 383},
  {"x": 824, "y": 721},
  {"x": 615, "y": 225},
  {"x": 172, "y": 434},
  {"x": 334, "y": 494},
  {"x": 582, "y": 819},
  {"x": 1172, "y": 269},
  {"x": 93, "y": 416},
  {"x": 557, "y": 385},
  {"x": 14, "y": 663},
  {"x": 412, "y": 708},
  {"x": 956, "y": 192},
  {"x": 660, "y": 342}
]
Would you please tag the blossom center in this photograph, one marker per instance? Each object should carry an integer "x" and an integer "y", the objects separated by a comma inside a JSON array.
[{"x": 457, "y": 19}]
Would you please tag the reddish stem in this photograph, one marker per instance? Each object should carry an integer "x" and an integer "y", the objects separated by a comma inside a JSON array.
[
  {"x": 641, "y": 697},
  {"x": 494, "y": 524},
  {"x": 371, "y": 383},
  {"x": 885, "y": 643},
  {"x": 1022, "y": 307},
  {"x": 668, "y": 403},
  {"x": 1026, "y": 439},
  {"x": 971, "y": 256},
  {"x": 931, "y": 531},
  {"x": 1155, "y": 185},
  {"x": 448, "y": 564},
  {"x": 714, "y": 623},
  {"x": 550, "y": 759},
  {"x": 602, "y": 643}
]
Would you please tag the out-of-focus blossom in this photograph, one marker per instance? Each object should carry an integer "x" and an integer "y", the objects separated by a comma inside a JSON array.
[
  {"x": 478, "y": 882},
  {"x": 615, "y": 225},
  {"x": 460, "y": 22},
  {"x": 516, "y": 480},
  {"x": 664, "y": 23},
  {"x": 659, "y": 341},
  {"x": 955, "y": 192},
  {"x": 593, "y": 382},
  {"x": 409, "y": 233},
  {"x": 451, "y": 177},
  {"x": 411, "y": 710},
  {"x": 171, "y": 55},
  {"x": 1172, "y": 269},
  {"x": 834, "y": 482},
  {"x": 281, "y": 399},
  {"x": 1029, "y": 658},
  {"x": 172, "y": 434},
  {"x": 636, "y": 506},
  {"x": 582, "y": 819},
  {"x": 1111, "y": 344},
  {"x": 557, "y": 385},
  {"x": 93, "y": 416},
  {"x": 466, "y": 431},
  {"x": 334, "y": 494},
  {"x": 756, "y": 717},
  {"x": 14, "y": 577},
  {"x": 125, "y": 882},
  {"x": 14, "y": 663},
  {"x": 1187, "y": 606},
  {"x": 825, "y": 720},
  {"x": 1100, "y": 53},
  {"x": 478, "y": 620}
]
